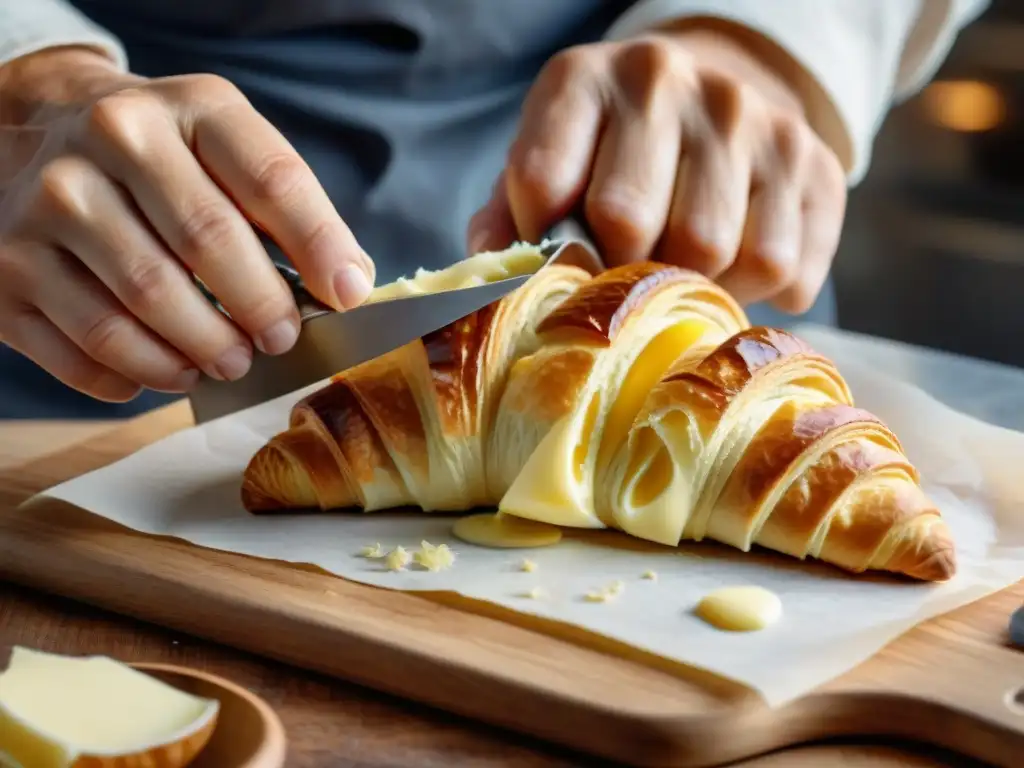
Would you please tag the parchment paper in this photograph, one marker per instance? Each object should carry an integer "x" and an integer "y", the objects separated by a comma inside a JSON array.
[{"x": 187, "y": 486}]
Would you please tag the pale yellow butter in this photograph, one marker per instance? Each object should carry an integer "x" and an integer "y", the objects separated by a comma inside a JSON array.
[
  {"x": 372, "y": 552},
  {"x": 397, "y": 559},
  {"x": 486, "y": 267},
  {"x": 55, "y": 710},
  {"x": 434, "y": 558}
]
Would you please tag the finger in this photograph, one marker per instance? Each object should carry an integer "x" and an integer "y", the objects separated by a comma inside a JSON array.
[
  {"x": 769, "y": 260},
  {"x": 823, "y": 210},
  {"x": 85, "y": 311},
  {"x": 550, "y": 160},
  {"x": 630, "y": 192},
  {"x": 769, "y": 255},
  {"x": 142, "y": 148},
  {"x": 492, "y": 227},
  {"x": 278, "y": 191},
  {"x": 89, "y": 216},
  {"x": 26, "y": 330},
  {"x": 709, "y": 207}
]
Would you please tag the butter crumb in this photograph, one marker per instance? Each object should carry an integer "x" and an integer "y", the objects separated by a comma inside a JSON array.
[
  {"x": 372, "y": 552},
  {"x": 534, "y": 594},
  {"x": 434, "y": 558},
  {"x": 397, "y": 559},
  {"x": 605, "y": 594},
  {"x": 528, "y": 565},
  {"x": 650, "y": 576}
]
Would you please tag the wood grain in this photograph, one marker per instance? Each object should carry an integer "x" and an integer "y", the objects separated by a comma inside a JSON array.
[
  {"x": 247, "y": 732},
  {"x": 569, "y": 673},
  {"x": 332, "y": 724},
  {"x": 23, "y": 441}
]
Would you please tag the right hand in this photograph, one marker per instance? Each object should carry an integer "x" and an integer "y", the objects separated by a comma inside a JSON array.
[{"x": 134, "y": 184}]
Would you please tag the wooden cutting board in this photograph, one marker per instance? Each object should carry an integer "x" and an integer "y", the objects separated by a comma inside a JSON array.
[{"x": 953, "y": 682}]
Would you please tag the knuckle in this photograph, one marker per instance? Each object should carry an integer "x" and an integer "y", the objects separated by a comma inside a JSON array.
[
  {"x": 146, "y": 285},
  {"x": 320, "y": 244},
  {"x": 566, "y": 66},
  {"x": 264, "y": 308},
  {"x": 212, "y": 88},
  {"x": 533, "y": 171},
  {"x": 647, "y": 69},
  {"x": 777, "y": 267},
  {"x": 121, "y": 118},
  {"x": 647, "y": 59},
  {"x": 621, "y": 219},
  {"x": 205, "y": 230},
  {"x": 794, "y": 143},
  {"x": 279, "y": 178},
  {"x": 726, "y": 103},
  {"x": 104, "y": 335},
  {"x": 263, "y": 303},
  {"x": 684, "y": 245},
  {"x": 62, "y": 185}
]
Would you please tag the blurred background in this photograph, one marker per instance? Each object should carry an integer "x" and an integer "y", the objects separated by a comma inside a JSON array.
[{"x": 933, "y": 251}]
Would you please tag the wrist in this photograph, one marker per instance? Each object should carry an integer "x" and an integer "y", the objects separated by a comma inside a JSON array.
[{"x": 54, "y": 79}]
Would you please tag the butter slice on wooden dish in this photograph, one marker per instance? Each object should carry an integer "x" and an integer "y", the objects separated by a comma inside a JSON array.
[{"x": 65, "y": 712}]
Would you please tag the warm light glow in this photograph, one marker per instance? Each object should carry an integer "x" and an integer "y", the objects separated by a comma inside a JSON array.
[{"x": 964, "y": 105}]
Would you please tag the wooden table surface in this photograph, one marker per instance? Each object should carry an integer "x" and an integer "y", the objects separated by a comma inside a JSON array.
[{"x": 332, "y": 724}]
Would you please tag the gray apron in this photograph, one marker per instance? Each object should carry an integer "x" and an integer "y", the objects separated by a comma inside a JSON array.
[{"x": 403, "y": 108}]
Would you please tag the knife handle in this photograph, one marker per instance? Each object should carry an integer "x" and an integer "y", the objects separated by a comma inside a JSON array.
[
  {"x": 309, "y": 306},
  {"x": 572, "y": 227}
]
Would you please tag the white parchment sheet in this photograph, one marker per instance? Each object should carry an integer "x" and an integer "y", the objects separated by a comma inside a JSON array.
[{"x": 187, "y": 486}]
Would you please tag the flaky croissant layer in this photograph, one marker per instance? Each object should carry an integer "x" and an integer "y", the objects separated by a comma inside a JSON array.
[{"x": 639, "y": 400}]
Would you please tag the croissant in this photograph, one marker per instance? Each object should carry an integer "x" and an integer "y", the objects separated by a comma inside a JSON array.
[
  {"x": 639, "y": 400},
  {"x": 410, "y": 427}
]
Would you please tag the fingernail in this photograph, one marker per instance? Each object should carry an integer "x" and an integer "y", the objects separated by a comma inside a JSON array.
[
  {"x": 278, "y": 338},
  {"x": 185, "y": 380},
  {"x": 351, "y": 287},
  {"x": 114, "y": 388},
  {"x": 233, "y": 364}
]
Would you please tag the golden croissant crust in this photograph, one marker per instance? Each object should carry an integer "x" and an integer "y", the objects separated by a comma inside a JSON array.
[{"x": 640, "y": 400}]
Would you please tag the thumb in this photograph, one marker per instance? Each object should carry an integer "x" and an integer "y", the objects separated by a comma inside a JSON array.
[{"x": 492, "y": 228}]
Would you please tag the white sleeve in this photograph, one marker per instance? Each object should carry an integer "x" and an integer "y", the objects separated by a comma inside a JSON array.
[
  {"x": 864, "y": 55},
  {"x": 28, "y": 26}
]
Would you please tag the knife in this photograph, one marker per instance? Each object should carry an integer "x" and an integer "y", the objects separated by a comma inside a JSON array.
[{"x": 331, "y": 342}]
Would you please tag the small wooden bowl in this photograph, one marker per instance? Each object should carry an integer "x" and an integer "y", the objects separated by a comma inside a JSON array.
[{"x": 248, "y": 733}]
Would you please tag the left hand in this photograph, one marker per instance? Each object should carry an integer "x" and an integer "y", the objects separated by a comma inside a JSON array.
[{"x": 680, "y": 147}]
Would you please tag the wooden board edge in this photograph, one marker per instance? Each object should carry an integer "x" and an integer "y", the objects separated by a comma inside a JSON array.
[
  {"x": 651, "y": 740},
  {"x": 398, "y": 667}
]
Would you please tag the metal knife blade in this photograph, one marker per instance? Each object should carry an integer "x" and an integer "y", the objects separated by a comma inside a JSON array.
[{"x": 331, "y": 342}]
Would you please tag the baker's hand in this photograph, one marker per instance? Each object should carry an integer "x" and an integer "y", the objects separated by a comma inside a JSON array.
[
  {"x": 680, "y": 147},
  {"x": 123, "y": 187}
]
